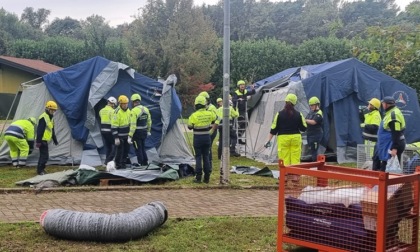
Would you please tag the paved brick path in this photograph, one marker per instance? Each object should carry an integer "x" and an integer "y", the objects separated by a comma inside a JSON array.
[{"x": 180, "y": 203}]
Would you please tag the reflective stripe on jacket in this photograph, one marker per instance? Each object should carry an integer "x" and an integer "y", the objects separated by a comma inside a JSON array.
[
  {"x": 200, "y": 121},
  {"x": 371, "y": 125},
  {"x": 120, "y": 124},
  {"x": 22, "y": 129},
  {"x": 140, "y": 120},
  {"x": 106, "y": 118}
]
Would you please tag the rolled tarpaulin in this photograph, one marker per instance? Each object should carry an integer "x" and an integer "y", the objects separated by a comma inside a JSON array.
[{"x": 73, "y": 225}]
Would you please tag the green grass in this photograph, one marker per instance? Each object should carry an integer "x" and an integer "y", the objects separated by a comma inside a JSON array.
[
  {"x": 201, "y": 234},
  {"x": 208, "y": 234},
  {"x": 12, "y": 175}
]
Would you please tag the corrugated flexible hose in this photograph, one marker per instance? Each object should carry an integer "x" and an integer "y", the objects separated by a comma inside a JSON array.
[{"x": 88, "y": 226}]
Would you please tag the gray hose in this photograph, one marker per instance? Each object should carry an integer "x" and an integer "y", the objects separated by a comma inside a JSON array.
[{"x": 87, "y": 226}]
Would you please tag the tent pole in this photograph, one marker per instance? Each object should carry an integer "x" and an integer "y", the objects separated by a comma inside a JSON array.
[{"x": 186, "y": 132}]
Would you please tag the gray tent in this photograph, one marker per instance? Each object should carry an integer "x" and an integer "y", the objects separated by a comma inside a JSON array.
[{"x": 80, "y": 91}]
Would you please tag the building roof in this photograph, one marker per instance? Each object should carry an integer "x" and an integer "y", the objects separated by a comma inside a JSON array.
[{"x": 37, "y": 67}]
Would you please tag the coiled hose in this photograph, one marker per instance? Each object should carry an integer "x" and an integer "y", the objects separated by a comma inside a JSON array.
[{"x": 87, "y": 226}]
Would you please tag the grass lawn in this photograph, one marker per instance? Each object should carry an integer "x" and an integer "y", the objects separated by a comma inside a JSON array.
[{"x": 201, "y": 234}]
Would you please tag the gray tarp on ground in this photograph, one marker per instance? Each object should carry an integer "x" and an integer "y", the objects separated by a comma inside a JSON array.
[
  {"x": 89, "y": 177},
  {"x": 252, "y": 170}
]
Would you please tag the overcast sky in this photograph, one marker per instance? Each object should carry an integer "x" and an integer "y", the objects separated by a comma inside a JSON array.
[{"x": 114, "y": 11}]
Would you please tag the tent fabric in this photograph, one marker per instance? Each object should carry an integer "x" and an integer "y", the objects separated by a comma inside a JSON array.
[
  {"x": 92, "y": 177},
  {"x": 62, "y": 178},
  {"x": 252, "y": 170},
  {"x": 342, "y": 86},
  {"x": 81, "y": 91}
]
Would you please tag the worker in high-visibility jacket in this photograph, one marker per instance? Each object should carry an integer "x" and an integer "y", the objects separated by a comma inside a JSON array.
[
  {"x": 370, "y": 126},
  {"x": 288, "y": 124},
  {"x": 232, "y": 134},
  {"x": 120, "y": 127},
  {"x": 106, "y": 115},
  {"x": 314, "y": 132},
  {"x": 201, "y": 122},
  {"x": 140, "y": 126},
  {"x": 44, "y": 134},
  {"x": 20, "y": 136},
  {"x": 239, "y": 99},
  {"x": 391, "y": 139},
  {"x": 212, "y": 108}
]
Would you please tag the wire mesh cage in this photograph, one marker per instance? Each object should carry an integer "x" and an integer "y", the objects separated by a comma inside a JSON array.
[
  {"x": 410, "y": 158},
  {"x": 364, "y": 155},
  {"x": 332, "y": 208}
]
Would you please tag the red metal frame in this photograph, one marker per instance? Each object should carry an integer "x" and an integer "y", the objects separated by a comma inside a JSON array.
[{"x": 325, "y": 172}]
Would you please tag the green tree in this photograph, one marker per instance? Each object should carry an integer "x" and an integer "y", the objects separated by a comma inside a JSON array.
[
  {"x": 356, "y": 16},
  {"x": 67, "y": 27},
  {"x": 394, "y": 50},
  {"x": 321, "y": 50},
  {"x": 60, "y": 51},
  {"x": 36, "y": 19},
  {"x": 174, "y": 37},
  {"x": 13, "y": 29},
  {"x": 96, "y": 32},
  {"x": 411, "y": 13}
]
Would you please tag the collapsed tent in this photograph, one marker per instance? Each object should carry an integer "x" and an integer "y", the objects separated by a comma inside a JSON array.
[
  {"x": 81, "y": 91},
  {"x": 342, "y": 86}
]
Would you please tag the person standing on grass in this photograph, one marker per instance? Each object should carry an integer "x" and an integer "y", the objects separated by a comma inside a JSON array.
[
  {"x": 391, "y": 139},
  {"x": 201, "y": 122},
  {"x": 44, "y": 134},
  {"x": 314, "y": 131},
  {"x": 20, "y": 137},
  {"x": 106, "y": 117},
  {"x": 212, "y": 108},
  {"x": 120, "y": 127},
  {"x": 371, "y": 121},
  {"x": 232, "y": 134},
  {"x": 288, "y": 124},
  {"x": 140, "y": 126}
]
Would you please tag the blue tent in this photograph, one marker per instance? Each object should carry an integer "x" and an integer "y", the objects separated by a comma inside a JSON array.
[
  {"x": 342, "y": 87},
  {"x": 81, "y": 91}
]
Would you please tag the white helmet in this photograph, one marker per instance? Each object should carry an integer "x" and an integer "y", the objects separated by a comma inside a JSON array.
[{"x": 112, "y": 99}]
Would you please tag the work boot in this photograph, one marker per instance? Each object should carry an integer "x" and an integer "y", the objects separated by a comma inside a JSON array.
[
  {"x": 235, "y": 154},
  {"x": 135, "y": 166},
  {"x": 197, "y": 179},
  {"x": 42, "y": 173},
  {"x": 206, "y": 178}
]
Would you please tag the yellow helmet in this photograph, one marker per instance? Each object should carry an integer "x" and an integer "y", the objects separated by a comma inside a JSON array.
[
  {"x": 204, "y": 94},
  {"x": 314, "y": 100},
  {"x": 292, "y": 98},
  {"x": 240, "y": 82},
  {"x": 51, "y": 105},
  {"x": 375, "y": 102},
  {"x": 32, "y": 120},
  {"x": 135, "y": 97},
  {"x": 200, "y": 100},
  {"x": 219, "y": 100},
  {"x": 123, "y": 99}
]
